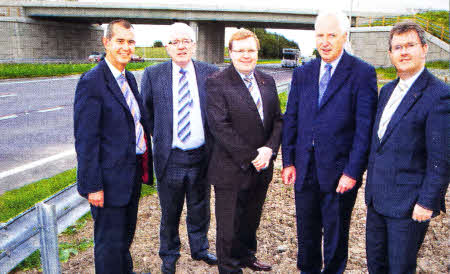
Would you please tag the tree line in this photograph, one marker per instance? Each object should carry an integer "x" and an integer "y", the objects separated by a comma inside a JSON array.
[{"x": 272, "y": 44}]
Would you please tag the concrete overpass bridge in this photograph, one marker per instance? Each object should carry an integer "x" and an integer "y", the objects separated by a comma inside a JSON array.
[{"x": 65, "y": 30}]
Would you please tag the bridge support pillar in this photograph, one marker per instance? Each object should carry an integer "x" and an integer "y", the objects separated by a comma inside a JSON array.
[
  {"x": 28, "y": 40},
  {"x": 210, "y": 41}
]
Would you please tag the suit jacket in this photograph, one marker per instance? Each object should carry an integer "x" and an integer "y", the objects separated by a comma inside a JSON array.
[
  {"x": 340, "y": 127},
  {"x": 237, "y": 128},
  {"x": 156, "y": 88},
  {"x": 411, "y": 162},
  {"x": 105, "y": 138}
]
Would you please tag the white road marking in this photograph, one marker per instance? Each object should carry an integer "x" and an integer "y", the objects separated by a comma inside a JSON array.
[
  {"x": 37, "y": 163},
  {"x": 8, "y": 117},
  {"x": 41, "y": 80},
  {"x": 50, "y": 109},
  {"x": 7, "y": 95}
]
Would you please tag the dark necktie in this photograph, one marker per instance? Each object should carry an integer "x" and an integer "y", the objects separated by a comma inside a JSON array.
[{"x": 324, "y": 82}]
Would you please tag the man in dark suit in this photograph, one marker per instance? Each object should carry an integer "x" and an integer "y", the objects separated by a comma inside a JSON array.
[
  {"x": 326, "y": 137},
  {"x": 113, "y": 155},
  {"x": 174, "y": 96},
  {"x": 245, "y": 121},
  {"x": 408, "y": 171}
]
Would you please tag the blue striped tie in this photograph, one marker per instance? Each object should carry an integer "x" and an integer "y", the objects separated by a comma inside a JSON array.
[
  {"x": 135, "y": 112},
  {"x": 255, "y": 95},
  {"x": 184, "y": 108},
  {"x": 324, "y": 82}
]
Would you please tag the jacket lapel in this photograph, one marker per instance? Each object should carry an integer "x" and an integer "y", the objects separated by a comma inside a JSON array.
[
  {"x": 113, "y": 86},
  {"x": 413, "y": 94},
  {"x": 265, "y": 96},
  {"x": 384, "y": 98},
  {"x": 241, "y": 90},
  {"x": 340, "y": 75},
  {"x": 314, "y": 85},
  {"x": 201, "y": 86}
]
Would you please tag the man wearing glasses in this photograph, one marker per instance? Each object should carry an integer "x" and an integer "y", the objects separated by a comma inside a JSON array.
[
  {"x": 244, "y": 117},
  {"x": 408, "y": 170},
  {"x": 174, "y": 96}
]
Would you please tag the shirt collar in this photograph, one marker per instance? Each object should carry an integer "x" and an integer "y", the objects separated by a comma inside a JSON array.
[
  {"x": 333, "y": 63},
  {"x": 176, "y": 68},
  {"x": 116, "y": 73},
  {"x": 243, "y": 76},
  {"x": 410, "y": 81}
]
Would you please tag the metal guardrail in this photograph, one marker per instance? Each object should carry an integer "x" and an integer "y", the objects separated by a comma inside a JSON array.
[
  {"x": 439, "y": 31},
  {"x": 34, "y": 229},
  {"x": 20, "y": 236},
  {"x": 284, "y": 87}
]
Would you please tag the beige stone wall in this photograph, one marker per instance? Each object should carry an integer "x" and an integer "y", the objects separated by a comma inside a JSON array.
[
  {"x": 25, "y": 40},
  {"x": 371, "y": 45}
]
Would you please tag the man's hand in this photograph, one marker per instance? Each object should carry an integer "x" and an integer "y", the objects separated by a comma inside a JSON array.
[
  {"x": 345, "y": 184},
  {"x": 263, "y": 159},
  {"x": 421, "y": 214},
  {"x": 96, "y": 198},
  {"x": 289, "y": 175}
]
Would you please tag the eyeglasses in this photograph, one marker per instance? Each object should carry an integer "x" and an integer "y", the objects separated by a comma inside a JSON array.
[
  {"x": 176, "y": 43},
  {"x": 243, "y": 51},
  {"x": 407, "y": 47}
]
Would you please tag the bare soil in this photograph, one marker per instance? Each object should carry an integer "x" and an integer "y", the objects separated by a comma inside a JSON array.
[{"x": 277, "y": 242}]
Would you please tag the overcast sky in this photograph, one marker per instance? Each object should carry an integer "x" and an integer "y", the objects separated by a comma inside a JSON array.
[{"x": 146, "y": 34}]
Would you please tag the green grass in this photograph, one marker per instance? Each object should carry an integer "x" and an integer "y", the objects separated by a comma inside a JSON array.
[
  {"x": 438, "y": 65},
  {"x": 149, "y": 52},
  {"x": 13, "y": 202},
  {"x": 386, "y": 73},
  {"x": 390, "y": 73},
  {"x": 283, "y": 100},
  {"x": 18, "y": 200},
  {"x": 8, "y": 71}
]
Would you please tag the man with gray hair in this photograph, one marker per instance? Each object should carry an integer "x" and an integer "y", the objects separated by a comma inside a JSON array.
[
  {"x": 174, "y": 97},
  {"x": 326, "y": 136}
]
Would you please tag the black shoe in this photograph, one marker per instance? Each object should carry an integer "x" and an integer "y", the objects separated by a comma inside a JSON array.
[
  {"x": 257, "y": 266},
  {"x": 168, "y": 268},
  {"x": 208, "y": 258}
]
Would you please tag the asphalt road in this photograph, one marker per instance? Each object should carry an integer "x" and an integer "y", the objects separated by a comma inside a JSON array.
[{"x": 36, "y": 126}]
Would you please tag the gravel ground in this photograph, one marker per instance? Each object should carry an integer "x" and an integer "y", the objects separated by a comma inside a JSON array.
[{"x": 277, "y": 242}]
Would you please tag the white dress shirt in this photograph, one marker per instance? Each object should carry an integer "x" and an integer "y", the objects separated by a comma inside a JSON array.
[
  {"x": 255, "y": 91},
  {"x": 197, "y": 138},
  {"x": 394, "y": 101},
  {"x": 333, "y": 66}
]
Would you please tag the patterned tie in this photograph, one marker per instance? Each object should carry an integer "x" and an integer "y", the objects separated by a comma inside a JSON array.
[
  {"x": 255, "y": 95},
  {"x": 324, "y": 82},
  {"x": 134, "y": 109},
  {"x": 184, "y": 107},
  {"x": 395, "y": 99}
]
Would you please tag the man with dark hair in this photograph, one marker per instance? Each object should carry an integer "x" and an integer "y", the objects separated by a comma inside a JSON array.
[
  {"x": 245, "y": 121},
  {"x": 408, "y": 172},
  {"x": 326, "y": 140},
  {"x": 114, "y": 156},
  {"x": 174, "y": 96}
]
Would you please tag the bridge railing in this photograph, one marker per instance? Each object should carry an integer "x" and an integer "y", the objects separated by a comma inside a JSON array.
[
  {"x": 440, "y": 31},
  {"x": 37, "y": 227}
]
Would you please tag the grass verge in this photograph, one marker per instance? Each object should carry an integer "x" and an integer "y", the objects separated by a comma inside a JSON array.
[
  {"x": 9, "y": 71},
  {"x": 18, "y": 200},
  {"x": 13, "y": 202}
]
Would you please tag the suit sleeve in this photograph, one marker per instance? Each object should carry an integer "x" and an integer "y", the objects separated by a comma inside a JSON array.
[
  {"x": 289, "y": 133},
  {"x": 437, "y": 174},
  {"x": 147, "y": 97},
  {"x": 275, "y": 136},
  {"x": 87, "y": 119},
  {"x": 221, "y": 127},
  {"x": 365, "y": 111}
]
